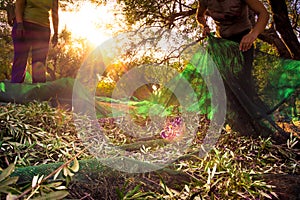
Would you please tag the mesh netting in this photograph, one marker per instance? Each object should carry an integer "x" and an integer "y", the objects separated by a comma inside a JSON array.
[
  {"x": 277, "y": 79},
  {"x": 277, "y": 83}
]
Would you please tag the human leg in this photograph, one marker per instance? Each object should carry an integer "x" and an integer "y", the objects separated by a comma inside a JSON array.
[
  {"x": 21, "y": 50},
  {"x": 40, "y": 47}
]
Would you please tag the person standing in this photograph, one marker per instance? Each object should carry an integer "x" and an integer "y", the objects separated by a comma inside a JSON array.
[
  {"x": 232, "y": 22},
  {"x": 31, "y": 31}
]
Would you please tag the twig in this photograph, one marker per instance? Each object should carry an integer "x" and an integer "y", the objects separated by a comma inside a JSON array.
[
  {"x": 51, "y": 174},
  {"x": 86, "y": 195}
]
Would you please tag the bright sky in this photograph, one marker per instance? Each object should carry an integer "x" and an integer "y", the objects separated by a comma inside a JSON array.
[{"x": 96, "y": 24}]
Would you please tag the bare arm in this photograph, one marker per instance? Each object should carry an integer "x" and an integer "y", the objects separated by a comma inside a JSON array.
[
  {"x": 20, "y": 4},
  {"x": 200, "y": 14},
  {"x": 259, "y": 27},
  {"x": 200, "y": 17},
  {"x": 263, "y": 15},
  {"x": 55, "y": 20},
  {"x": 55, "y": 16}
]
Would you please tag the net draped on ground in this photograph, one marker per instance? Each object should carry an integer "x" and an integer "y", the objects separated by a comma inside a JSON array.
[{"x": 277, "y": 87}]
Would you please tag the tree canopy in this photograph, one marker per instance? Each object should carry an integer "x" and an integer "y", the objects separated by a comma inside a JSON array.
[{"x": 282, "y": 32}]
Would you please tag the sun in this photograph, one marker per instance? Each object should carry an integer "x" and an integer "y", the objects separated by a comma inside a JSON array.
[{"x": 90, "y": 22}]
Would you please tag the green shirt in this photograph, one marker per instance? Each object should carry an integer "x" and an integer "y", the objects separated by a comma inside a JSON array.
[{"x": 38, "y": 11}]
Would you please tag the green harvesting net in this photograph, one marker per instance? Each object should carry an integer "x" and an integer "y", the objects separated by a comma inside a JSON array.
[
  {"x": 276, "y": 90},
  {"x": 277, "y": 86},
  {"x": 213, "y": 65}
]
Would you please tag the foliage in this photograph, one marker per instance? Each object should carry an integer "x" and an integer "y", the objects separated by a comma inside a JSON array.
[
  {"x": 234, "y": 169},
  {"x": 4, "y": 3},
  {"x": 109, "y": 78},
  {"x": 36, "y": 133},
  {"x": 277, "y": 79},
  {"x": 159, "y": 12},
  {"x": 65, "y": 59},
  {"x": 180, "y": 15},
  {"x": 5, "y": 60},
  {"x": 6, "y": 182},
  {"x": 6, "y": 55},
  {"x": 39, "y": 188},
  {"x": 294, "y": 15},
  {"x": 132, "y": 194},
  {"x": 105, "y": 88}
]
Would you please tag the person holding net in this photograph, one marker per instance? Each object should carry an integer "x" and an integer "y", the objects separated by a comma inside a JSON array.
[
  {"x": 31, "y": 31},
  {"x": 232, "y": 22},
  {"x": 233, "y": 26}
]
